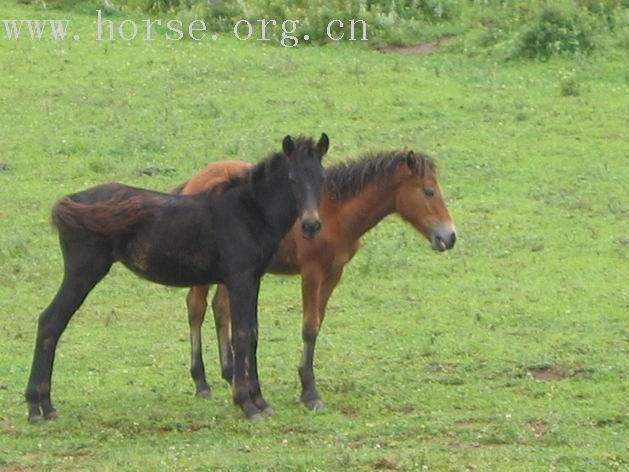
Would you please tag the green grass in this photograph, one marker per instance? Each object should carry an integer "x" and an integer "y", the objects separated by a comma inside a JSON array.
[{"x": 426, "y": 359}]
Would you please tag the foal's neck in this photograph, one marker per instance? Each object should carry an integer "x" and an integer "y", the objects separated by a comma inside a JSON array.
[
  {"x": 367, "y": 208},
  {"x": 273, "y": 197}
]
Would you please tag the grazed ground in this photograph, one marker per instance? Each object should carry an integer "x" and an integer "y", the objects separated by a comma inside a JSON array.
[
  {"x": 417, "y": 50},
  {"x": 508, "y": 353}
]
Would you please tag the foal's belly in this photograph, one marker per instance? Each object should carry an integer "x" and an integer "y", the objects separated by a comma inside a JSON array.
[{"x": 183, "y": 267}]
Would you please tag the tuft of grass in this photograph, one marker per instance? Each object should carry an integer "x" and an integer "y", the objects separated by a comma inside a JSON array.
[{"x": 569, "y": 87}]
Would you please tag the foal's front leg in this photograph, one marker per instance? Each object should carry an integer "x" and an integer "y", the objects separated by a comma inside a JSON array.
[
  {"x": 254, "y": 383},
  {"x": 222, "y": 316},
  {"x": 318, "y": 283},
  {"x": 243, "y": 300}
]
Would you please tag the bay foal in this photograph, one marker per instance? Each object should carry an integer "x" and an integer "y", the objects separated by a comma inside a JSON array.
[
  {"x": 355, "y": 197},
  {"x": 225, "y": 235}
]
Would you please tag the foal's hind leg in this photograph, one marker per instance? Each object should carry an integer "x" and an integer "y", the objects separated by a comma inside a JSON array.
[
  {"x": 222, "y": 321},
  {"x": 197, "y": 304},
  {"x": 85, "y": 266}
]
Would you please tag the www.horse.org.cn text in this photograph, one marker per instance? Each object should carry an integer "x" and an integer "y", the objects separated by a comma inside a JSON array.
[
  {"x": 286, "y": 32},
  {"x": 244, "y": 30}
]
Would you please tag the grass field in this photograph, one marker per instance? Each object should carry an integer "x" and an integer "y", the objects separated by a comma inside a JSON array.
[{"x": 507, "y": 353}]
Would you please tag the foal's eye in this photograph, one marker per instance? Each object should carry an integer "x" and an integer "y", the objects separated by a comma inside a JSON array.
[{"x": 429, "y": 192}]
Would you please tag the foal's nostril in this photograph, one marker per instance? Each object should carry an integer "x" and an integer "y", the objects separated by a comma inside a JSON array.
[
  {"x": 311, "y": 226},
  {"x": 452, "y": 240}
]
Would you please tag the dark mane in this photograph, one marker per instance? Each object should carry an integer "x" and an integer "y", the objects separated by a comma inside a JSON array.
[
  {"x": 262, "y": 169},
  {"x": 346, "y": 179}
]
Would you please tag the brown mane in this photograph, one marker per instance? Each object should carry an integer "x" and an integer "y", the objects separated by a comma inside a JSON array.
[{"x": 344, "y": 180}]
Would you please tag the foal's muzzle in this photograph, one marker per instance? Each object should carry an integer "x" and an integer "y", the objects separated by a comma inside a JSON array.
[
  {"x": 310, "y": 227},
  {"x": 443, "y": 238}
]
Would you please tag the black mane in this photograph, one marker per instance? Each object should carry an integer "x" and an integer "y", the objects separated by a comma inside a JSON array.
[
  {"x": 346, "y": 179},
  {"x": 262, "y": 169}
]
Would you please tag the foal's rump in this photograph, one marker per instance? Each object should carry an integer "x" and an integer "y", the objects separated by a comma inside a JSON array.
[
  {"x": 105, "y": 210},
  {"x": 163, "y": 238}
]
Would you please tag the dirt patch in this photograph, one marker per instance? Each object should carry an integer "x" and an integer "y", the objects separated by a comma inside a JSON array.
[
  {"x": 469, "y": 424},
  {"x": 538, "y": 427},
  {"x": 546, "y": 373},
  {"x": 181, "y": 428},
  {"x": 451, "y": 381},
  {"x": 602, "y": 423},
  {"x": 153, "y": 171},
  {"x": 350, "y": 411},
  {"x": 386, "y": 463},
  {"x": 355, "y": 445},
  {"x": 556, "y": 372},
  {"x": 8, "y": 430},
  {"x": 406, "y": 409},
  {"x": 444, "y": 367},
  {"x": 418, "y": 49},
  {"x": 14, "y": 468},
  {"x": 475, "y": 445}
]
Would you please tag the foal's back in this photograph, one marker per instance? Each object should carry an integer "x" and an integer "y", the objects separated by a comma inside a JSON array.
[{"x": 168, "y": 239}]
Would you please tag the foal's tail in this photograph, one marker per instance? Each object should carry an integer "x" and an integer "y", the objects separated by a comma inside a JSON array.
[{"x": 107, "y": 218}]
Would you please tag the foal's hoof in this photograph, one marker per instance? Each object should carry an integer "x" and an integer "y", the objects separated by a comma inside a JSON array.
[
  {"x": 250, "y": 410},
  {"x": 207, "y": 394},
  {"x": 262, "y": 405},
  {"x": 315, "y": 405},
  {"x": 35, "y": 419},
  {"x": 256, "y": 417},
  {"x": 51, "y": 415},
  {"x": 268, "y": 411}
]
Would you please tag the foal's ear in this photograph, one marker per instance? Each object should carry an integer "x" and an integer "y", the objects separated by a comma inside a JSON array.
[
  {"x": 288, "y": 145},
  {"x": 411, "y": 162},
  {"x": 323, "y": 145}
]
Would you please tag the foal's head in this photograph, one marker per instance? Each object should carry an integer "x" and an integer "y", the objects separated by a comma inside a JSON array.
[
  {"x": 305, "y": 174},
  {"x": 420, "y": 202}
]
